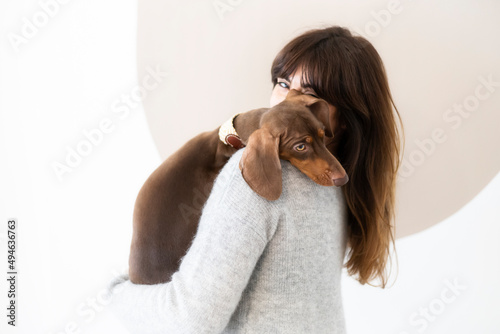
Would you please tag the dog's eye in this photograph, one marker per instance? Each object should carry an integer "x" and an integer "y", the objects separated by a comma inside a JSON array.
[{"x": 300, "y": 147}]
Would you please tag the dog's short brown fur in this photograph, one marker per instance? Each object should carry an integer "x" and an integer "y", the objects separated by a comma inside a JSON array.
[{"x": 169, "y": 205}]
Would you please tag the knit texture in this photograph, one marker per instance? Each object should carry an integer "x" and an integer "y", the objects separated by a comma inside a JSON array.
[{"x": 255, "y": 266}]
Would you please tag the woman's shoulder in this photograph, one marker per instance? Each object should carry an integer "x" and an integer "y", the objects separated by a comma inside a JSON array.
[
  {"x": 230, "y": 186},
  {"x": 233, "y": 199},
  {"x": 230, "y": 182}
]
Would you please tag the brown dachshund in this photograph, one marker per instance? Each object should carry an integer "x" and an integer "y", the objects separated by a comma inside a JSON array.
[{"x": 169, "y": 205}]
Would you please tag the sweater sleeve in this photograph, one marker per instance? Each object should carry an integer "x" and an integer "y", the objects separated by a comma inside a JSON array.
[{"x": 234, "y": 229}]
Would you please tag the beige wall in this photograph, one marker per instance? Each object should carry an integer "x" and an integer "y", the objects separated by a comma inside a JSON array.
[{"x": 439, "y": 56}]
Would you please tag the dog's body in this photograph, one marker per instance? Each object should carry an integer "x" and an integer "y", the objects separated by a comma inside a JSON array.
[{"x": 169, "y": 205}]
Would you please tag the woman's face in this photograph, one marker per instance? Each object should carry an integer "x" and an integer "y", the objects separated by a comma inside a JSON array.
[{"x": 284, "y": 85}]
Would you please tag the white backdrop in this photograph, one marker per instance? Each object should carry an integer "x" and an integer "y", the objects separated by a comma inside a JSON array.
[{"x": 76, "y": 147}]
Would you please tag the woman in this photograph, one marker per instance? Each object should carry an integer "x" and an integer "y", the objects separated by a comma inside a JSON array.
[{"x": 274, "y": 267}]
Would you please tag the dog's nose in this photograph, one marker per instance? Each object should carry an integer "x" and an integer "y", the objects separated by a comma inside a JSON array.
[{"x": 341, "y": 181}]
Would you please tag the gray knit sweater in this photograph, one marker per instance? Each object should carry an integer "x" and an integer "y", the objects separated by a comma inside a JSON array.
[{"x": 255, "y": 266}]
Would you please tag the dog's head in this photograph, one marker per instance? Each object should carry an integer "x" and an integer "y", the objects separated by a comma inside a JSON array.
[{"x": 291, "y": 131}]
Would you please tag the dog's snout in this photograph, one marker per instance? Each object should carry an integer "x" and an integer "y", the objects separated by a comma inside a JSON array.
[{"x": 341, "y": 181}]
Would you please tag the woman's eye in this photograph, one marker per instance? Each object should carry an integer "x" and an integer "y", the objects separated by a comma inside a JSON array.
[
  {"x": 300, "y": 147},
  {"x": 283, "y": 84}
]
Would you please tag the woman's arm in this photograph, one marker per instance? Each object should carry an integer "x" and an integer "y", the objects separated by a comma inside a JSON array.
[{"x": 234, "y": 229}]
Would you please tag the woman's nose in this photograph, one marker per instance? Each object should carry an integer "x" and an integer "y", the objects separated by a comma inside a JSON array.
[{"x": 293, "y": 92}]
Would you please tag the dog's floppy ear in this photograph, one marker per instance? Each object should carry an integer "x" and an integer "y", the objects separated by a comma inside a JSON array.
[
  {"x": 320, "y": 109},
  {"x": 260, "y": 164}
]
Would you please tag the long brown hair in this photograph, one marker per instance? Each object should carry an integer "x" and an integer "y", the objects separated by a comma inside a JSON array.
[{"x": 346, "y": 71}]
